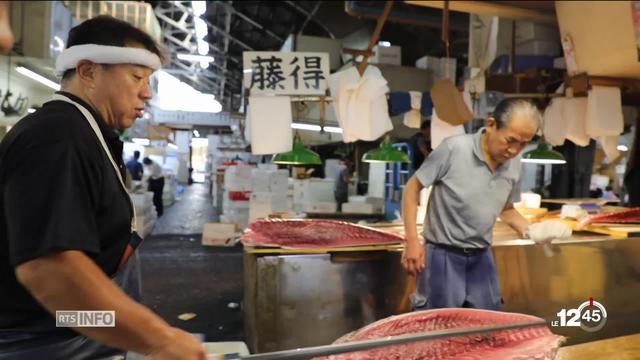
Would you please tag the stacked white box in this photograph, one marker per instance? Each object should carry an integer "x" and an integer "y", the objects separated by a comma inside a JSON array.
[
  {"x": 263, "y": 204},
  {"x": 146, "y": 215},
  {"x": 237, "y": 178},
  {"x": 311, "y": 191},
  {"x": 270, "y": 189},
  {"x": 391, "y": 55},
  {"x": 360, "y": 208},
  {"x": 375, "y": 201},
  {"x": 320, "y": 207},
  {"x": 218, "y": 234},
  {"x": 441, "y": 67},
  {"x": 279, "y": 182},
  {"x": 239, "y": 217}
]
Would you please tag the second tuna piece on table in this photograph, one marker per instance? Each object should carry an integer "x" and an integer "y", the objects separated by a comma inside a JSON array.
[{"x": 314, "y": 234}]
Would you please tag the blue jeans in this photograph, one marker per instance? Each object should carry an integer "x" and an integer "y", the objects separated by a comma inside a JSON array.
[{"x": 452, "y": 278}]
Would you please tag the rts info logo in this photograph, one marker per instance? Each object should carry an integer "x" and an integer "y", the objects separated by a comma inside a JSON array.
[{"x": 590, "y": 316}]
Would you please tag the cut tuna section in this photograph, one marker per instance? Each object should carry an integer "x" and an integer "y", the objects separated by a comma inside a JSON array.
[
  {"x": 314, "y": 234},
  {"x": 628, "y": 216},
  {"x": 528, "y": 343}
]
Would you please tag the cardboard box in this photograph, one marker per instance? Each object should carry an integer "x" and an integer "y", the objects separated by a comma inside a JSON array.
[
  {"x": 391, "y": 55},
  {"x": 219, "y": 234}
]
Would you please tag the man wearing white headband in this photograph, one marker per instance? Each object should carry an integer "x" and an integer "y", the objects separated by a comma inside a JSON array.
[{"x": 67, "y": 239}]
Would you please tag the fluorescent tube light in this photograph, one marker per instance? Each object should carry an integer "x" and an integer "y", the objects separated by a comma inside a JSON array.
[
  {"x": 37, "y": 77},
  {"x": 141, "y": 141},
  {"x": 311, "y": 127},
  {"x": 196, "y": 58}
]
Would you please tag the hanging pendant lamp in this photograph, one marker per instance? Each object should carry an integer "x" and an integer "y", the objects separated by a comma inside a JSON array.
[
  {"x": 543, "y": 154},
  {"x": 385, "y": 153},
  {"x": 299, "y": 155}
]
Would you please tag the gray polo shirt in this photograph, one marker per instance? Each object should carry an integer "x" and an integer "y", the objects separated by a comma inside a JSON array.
[{"x": 466, "y": 197}]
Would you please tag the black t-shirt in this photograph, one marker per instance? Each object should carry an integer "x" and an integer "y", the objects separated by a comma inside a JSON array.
[{"x": 58, "y": 191}]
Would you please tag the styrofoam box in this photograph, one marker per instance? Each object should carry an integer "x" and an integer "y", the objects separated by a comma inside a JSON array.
[
  {"x": 391, "y": 55},
  {"x": 262, "y": 204},
  {"x": 237, "y": 178},
  {"x": 428, "y": 62},
  {"x": 320, "y": 207},
  {"x": 269, "y": 181},
  {"x": 217, "y": 234},
  {"x": 377, "y": 201},
  {"x": 559, "y": 63},
  {"x": 357, "y": 199},
  {"x": 439, "y": 66},
  {"x": 279, "y": 181},
  {"x": 528, "y": 30},
  {"x": 241, "y": 218},
  {"x": 312, "y": 190},
  {"x": 539, "y": 47},
  {"x": 360, "y": 208}
]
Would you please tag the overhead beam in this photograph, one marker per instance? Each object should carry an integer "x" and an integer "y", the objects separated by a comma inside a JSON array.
[
  {"x": 489, "y": 8},
  {"x": 305, "y": 12},
  {"x": 215, "y": 28},
  {"x": 246, "y": 18},
  {"x": 310, "y": 16},
  {"x": 209, "y": 85},
  {"x": 189, "y": 32}
]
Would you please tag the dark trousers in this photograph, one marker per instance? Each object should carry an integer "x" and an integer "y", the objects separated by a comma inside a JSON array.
[
  {"x": 453, "y": 279},
  {"x": 157, "y": 186},
  {"x": 341, "y": 198}
]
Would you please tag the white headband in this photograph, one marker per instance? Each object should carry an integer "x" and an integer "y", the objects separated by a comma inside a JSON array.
[{"x": 103, "y": 54}]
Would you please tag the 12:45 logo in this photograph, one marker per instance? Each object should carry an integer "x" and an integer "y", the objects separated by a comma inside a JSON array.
[{"x": 590, "y": 316}]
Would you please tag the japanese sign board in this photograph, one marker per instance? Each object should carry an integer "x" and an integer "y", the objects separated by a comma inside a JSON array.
[{"x": 286, "y": 73}]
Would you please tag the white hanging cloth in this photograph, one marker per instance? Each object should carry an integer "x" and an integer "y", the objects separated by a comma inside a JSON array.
[{"x": 269, "y": 122}]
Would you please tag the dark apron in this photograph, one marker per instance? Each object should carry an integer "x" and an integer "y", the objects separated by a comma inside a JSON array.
[{"x": 127, "y": 277}]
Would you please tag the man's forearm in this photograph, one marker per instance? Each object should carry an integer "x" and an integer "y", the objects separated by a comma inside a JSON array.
[
  {"x": 410, "y": 197},
  {"x": 69, "y": 280},
  {"x": 513, "y": 218}
]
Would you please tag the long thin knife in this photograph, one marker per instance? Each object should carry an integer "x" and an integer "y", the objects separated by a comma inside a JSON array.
[{"x": 324, "y": 350}]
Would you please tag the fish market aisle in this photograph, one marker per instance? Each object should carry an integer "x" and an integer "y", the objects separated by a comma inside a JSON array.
[{"x": 180, "y": 276}]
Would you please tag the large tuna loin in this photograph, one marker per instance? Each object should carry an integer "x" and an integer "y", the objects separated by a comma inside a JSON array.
[
  {"x": 528, "y": 343},
  {"x": 314, "y": 234}
]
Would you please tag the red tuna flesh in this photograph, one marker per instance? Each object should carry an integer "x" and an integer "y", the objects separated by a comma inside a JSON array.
[
  {"x": 536, "y": 342},
  {"x": 628, "y": 216},
  {"x": 314, "y": 234}
]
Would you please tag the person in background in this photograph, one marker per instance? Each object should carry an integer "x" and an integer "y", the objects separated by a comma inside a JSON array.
[
  {"x": 156, "y": 183},
  {"x": 135, "y": 167},
  {"x": 475, "y": 178},
  {"x": 421, "y": 144},
  {"x": 68, "y": 242},
  {"x": 609, "y": 194},
  {"x": 341, "y": 187}
]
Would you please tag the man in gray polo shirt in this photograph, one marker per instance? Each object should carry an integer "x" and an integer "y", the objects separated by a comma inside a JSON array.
[{"x": 475, "y": 179}]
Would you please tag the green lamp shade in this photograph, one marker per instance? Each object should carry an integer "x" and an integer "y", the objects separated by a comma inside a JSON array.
[
  {"x": 299, "y": 155},
  {"x": 386, "y": 153},
  {"x": 543, "y": 154}
]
